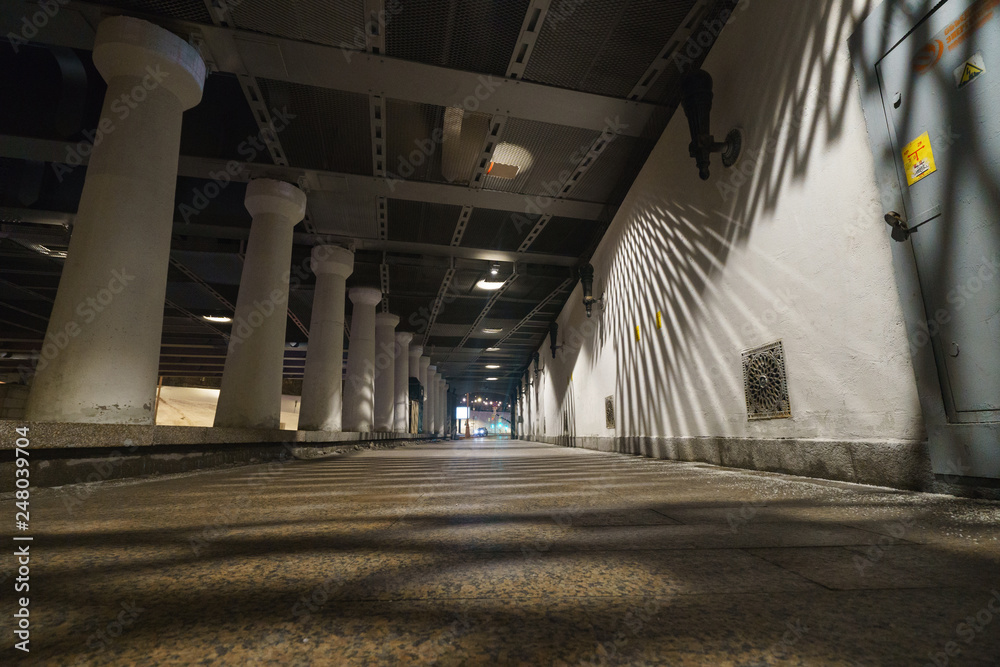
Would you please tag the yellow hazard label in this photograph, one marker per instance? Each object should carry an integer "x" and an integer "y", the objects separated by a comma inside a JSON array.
[
  {"x": 918, "y": 159},
  {"x": 968, "y": 71}
]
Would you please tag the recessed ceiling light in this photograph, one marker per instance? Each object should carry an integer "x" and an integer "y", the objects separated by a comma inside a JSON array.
[
  {"x": 493, "y": 349},
  {"x": 492, "y": 365},
  {"x": 217, "y": 318},
  {"x": 492, "y": 379},
  {"x": 492, "y": 331},
  {"x": 492, "y": 285}
]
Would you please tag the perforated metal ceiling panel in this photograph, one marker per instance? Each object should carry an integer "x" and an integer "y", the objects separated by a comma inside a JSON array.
[
  {"x": 331, "y": 22},
  {"x": 620, "y": 162},
  {"x": 554, "y": 152},
  {"x": 415, "y": 143},
  {"x": 422, "y": 222},
  {"x": 471, "y": 35},
  {"x": 344, "y": 214},
  {"x": 326, "y": 129},
  {"x": 495, "y": 230},
  {"x": 564, "y": 236},
  {"x": 186, "y": 10},
  {"x": 603, "y": 46}
]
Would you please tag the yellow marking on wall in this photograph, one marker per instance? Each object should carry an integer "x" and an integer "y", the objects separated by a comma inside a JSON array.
[
  {"x": 659, "y": 320},
  {"x": 637, "y": 338}
]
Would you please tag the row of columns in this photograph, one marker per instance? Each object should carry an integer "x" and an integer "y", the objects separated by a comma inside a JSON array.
[{"x": 106, "y": 367}]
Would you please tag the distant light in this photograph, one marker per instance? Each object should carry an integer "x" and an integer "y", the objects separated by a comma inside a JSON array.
[
  {"x": 492, "y": 331},
  {"x": 492, "y": 366},
  {"x": 494, "y": 269},
  {"x": 492, "y": 379},
  {"x": 493, "y": 349},
  {"x": 491, "y": 285},
  {"x": 216, "y": 318}
]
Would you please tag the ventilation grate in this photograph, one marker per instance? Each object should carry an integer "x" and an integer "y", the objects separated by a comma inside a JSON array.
[
  {"x": 609, "y": 412},
  {"x": 765, "y": 383},
  {"x": 334, "y": 23}
]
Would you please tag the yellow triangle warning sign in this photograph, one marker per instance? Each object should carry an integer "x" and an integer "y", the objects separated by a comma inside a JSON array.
[{"x": 970, "y": 73}]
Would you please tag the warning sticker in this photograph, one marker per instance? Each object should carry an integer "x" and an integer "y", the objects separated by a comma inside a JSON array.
[
  {"x": 918, "y": 159},
  {"x": 967, "y": 72},
  {"x": 955, "y": 34}
]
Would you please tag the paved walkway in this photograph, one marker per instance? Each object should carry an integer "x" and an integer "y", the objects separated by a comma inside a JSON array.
[{"x": 500, "y": 552}]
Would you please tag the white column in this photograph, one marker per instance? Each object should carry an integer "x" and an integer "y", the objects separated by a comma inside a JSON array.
[
  {"x": 445, "y": 416},
  {"x": 101, "y": 355},
  {"x": 415, "y": 352},
  {"x": 422, "y": 364},
  {"x": 359, "y": 388},
  {"x": 401, "y": 411},
  {"x": 251, "y": 379},
  {"x": 322, "y": 400},
  {"x": 385, "y": 370},
  {"x": 432, "y": 399}
]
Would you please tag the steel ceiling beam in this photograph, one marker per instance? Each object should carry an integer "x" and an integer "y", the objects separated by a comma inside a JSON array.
[
  {"x": 45, "y": 150},
  {"x": 16, "y": 215},
  {"x": 264, "y": 56}
]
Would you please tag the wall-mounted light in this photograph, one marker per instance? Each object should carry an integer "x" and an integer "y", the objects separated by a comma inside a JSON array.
[
  {"x": 587, "y": 283},
  {"x": 554, "y": 338},
  {"x": 696, "y": 98}
]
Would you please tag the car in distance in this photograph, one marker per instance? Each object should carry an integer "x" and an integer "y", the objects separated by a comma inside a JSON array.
[{"x": 481, "y": 432}]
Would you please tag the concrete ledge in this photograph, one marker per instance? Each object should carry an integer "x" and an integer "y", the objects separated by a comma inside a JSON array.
[
  {"x": 81, "y": 453},
  {"x": 49, "y": 435},
  {"x": 896, "y": 464}
]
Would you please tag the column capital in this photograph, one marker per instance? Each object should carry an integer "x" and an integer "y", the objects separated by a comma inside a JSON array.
[
  {"x": 332, "y": 259},
  {"x": 432, "y": 369},
  {"x": 127, "y": 46},
  {"x": 424, "y": 362},
  {"x": 416, "y": 350},
  {"x": 386, "y": 320},
  {"x": 404, "y": 338},
  {"x": 266, "y": 195},
  {"x": 365, "y": 296}
]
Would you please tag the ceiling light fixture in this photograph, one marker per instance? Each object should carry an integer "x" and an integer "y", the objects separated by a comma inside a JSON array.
[
  {"x": 492, "y": 331},
  {"x": 494, "y": 269},
  {"x": 222, "y": 319},
  {"x": 492, "y": 379},
  {"x": 492, "y": 366},
  {"x": 493, "y": 349},
  {"x": 491, "y": 285}
]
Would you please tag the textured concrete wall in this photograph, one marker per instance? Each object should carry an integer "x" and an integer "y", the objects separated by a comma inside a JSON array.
[{"x": 788, "y": 245}]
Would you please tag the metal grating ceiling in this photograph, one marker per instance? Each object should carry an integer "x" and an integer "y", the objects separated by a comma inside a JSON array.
[
  {"x": 344, "y": 213},
  {"x": 564, "y": 236},
  {"x": 495, "y": 230},
  {"x": 620, "y": 161},
  {"x": 422, "y": 222},
  {"x": 555, "y": 151},
  {"x": 222, "y": 126},
  {"x": 331, "y": 22},
  {"x": 185, "y": 10},
  {"x": 471, "y": 35},
  {"x": 326, "y": 129},
  {"x": 603, "y": 46},
  {"x": 416, "y": 148}
]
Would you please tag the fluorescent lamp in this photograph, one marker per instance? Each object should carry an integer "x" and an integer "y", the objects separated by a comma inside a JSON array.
[{"x": 217, "y": 318}]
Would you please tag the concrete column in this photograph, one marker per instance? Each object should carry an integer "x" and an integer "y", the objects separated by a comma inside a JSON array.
[
  {"x": 422, "y": 364},
  {"x": 359, "y": 401},
  {"x": 101, "y": 355},
  {"x": 432, "y": 400},
  {"x": 401, "y": 411},
  {"x": 415, "y": 352},
  {"x": 251, "y": 379},
  {"x": 385, "y": 370},
  {"x": 322, "y": 400},
  {"x": 446, "y": 414}
]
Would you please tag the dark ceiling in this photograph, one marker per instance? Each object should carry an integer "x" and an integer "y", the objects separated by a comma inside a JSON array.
[{"x": 574, "y": 93}]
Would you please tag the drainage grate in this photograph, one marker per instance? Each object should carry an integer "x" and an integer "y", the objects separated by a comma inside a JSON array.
[
  {"x": 765, "y": 383},
  {"x": 609, "y": 411}
]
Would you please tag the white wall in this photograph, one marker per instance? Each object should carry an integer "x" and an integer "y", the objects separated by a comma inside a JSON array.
[{"x": 796, "y": 251}]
